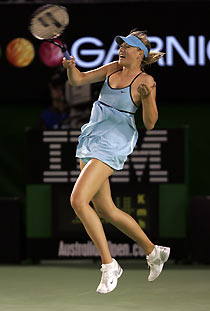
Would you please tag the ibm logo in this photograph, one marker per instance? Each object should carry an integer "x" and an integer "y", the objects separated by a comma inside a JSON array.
[{"x": 149, "y": 155}]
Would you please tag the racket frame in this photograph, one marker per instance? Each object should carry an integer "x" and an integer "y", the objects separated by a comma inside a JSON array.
[{"x": 51, "y": 39}]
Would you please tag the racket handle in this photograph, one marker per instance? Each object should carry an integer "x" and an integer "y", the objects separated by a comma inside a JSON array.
[{"x": 67, "y": 55}]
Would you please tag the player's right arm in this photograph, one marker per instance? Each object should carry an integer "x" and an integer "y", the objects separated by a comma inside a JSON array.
[{"x": 77, "y": 77}]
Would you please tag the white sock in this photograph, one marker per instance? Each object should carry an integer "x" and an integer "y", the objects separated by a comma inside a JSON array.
[
  {"x": 108, "y": 265},
  {"x": 152, "y": 254}
]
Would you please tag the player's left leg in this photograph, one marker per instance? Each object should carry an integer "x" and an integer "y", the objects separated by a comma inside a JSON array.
[
  {"x": 105, "y": 207},
  {"x": 87, "y": 185}
]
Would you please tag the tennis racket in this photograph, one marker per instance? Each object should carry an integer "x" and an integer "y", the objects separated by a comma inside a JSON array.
[{"x": 48, "y": 22}]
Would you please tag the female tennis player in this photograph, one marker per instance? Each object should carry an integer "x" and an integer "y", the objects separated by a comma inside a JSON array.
[{"x": 106, "y": 141}]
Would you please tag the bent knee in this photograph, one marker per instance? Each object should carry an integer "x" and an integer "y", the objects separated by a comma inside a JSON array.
[
  {"x": 107, "y": 214},
  {"x": 100, "y": 213},
  {"x": 77, "y": 202}
]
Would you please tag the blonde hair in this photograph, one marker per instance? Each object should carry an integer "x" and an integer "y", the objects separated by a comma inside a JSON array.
[{"x": 152, "y": 56}]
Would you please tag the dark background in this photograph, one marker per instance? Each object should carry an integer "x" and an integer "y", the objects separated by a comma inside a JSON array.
[{"x": 178, "y": 83}]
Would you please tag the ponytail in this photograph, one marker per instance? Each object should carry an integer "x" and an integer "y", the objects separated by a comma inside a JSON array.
[{"x": 153, "y": 57}]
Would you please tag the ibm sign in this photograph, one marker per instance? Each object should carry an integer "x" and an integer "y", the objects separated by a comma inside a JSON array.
[{"x": 159, "y": 157}]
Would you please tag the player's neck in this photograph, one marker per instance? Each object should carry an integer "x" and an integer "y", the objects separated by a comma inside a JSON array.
[{"x": 131, "y": 70}]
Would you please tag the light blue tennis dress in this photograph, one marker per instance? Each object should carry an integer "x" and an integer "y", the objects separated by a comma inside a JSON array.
[{"x": 111, "y": 134}]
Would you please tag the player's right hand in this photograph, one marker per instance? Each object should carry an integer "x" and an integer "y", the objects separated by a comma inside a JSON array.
[{"x": 69, "y": 63}]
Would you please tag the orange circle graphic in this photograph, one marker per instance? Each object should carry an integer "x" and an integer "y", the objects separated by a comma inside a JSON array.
[{"x": 20, "y": 52}]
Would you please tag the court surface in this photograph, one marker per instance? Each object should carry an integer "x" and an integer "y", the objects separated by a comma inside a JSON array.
[{"x": 71, "y": 286}]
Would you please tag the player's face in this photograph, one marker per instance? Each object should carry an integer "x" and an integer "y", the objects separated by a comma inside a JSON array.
[{"x": 128, "y": 54}]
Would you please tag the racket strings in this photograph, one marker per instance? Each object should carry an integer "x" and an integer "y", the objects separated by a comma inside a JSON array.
[
  {"x": 49, "y": 22},
  {"x": 54, "y": 20}
]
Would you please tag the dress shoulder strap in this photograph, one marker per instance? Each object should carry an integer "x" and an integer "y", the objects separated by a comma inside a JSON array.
[
  {"x": 136, "y": 77},
  {"x": 113, "y": 73}
]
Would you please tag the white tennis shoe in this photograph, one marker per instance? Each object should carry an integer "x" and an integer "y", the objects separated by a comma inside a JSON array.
[
  {"x": 156, "y": 260},
  {"x": 110, "y": 275}
]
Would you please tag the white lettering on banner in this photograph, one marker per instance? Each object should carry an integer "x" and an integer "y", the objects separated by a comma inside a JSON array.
[
  {"x": 88, "y": 249},
  {"x": 197, "y": 52},
  {"x": 138, "y": 251},
  {"x": 77, "y": 249},
  {"x": 91, "y": 40},
  {"x": 119, "y": 249},
  {"x": 201, "y": 51},
  {"x": 172, "y": 43}
]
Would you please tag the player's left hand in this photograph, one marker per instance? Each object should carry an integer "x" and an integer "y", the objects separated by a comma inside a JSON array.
[{"x": 145, "y": 90}]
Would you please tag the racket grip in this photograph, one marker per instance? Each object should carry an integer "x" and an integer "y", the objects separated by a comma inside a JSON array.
[{"x": 67, "y": 55}]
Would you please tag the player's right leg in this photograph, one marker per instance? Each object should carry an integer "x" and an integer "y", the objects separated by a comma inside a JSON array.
[
  {"x": 84, "y": 187},
  {"x": 87, "y": 185}
]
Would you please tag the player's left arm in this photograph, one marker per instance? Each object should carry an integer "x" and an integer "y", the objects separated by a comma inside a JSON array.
[{"x": 147, "y": 92}]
